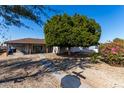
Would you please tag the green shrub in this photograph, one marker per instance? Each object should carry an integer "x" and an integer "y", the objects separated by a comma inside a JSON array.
[{"x": 94, "y": 58}]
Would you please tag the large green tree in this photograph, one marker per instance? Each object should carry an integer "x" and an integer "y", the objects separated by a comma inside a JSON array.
[{"x": 71, "y": 31}]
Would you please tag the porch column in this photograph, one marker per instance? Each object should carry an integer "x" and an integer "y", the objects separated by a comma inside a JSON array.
[
  {"x": 30, "y": 48},
  {"x": 46, "y": 50}
]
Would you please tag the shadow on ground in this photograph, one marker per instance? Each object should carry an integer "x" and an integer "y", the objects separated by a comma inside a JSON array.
[{"x": 19, "y": 69}]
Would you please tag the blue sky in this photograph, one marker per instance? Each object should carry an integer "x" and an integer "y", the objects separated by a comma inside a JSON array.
[{"x": 111, "y": 19}]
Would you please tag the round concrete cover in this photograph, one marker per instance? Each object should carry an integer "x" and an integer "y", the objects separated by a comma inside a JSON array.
[{"x": 70, "y": 81}]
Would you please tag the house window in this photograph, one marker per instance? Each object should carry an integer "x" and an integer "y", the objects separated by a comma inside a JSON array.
[{"x": 37, "y": 49}]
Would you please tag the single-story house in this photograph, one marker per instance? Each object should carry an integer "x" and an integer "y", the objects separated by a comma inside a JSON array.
[
  {"x": 32, "y": 46},
  {"x": 28, "y": 45}
]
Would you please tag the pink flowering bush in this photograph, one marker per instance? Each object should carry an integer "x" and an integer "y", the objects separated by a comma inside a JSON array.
[{"x": 112, "y": 53}]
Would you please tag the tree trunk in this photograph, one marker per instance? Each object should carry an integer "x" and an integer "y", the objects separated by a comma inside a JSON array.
[{"x": 69, "y": 52}]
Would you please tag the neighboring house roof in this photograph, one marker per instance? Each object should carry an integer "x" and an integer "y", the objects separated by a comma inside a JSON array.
[{"x": 26, "y": 41}]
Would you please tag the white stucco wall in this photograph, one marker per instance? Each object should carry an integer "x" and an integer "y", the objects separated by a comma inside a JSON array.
[
  {"x": 56, "y": 49},
  {"x": 76, "y": 49}
]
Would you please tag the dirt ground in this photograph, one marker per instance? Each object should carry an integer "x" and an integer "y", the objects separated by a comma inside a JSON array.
[
  {"x": 103, "y": 76},
  {"x": 45, "y": 81},
  {"x": 3, "y": 55},
  {"x": 30, "y": 71}
]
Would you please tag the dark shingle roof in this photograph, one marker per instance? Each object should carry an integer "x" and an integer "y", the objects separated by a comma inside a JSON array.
[{"x": 26, "y": 41}]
